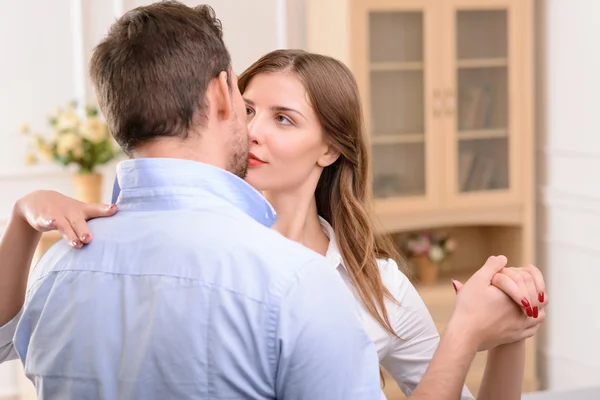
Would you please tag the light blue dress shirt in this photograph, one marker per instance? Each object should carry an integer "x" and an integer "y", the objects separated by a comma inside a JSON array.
[{"x": 186, "y": 293}]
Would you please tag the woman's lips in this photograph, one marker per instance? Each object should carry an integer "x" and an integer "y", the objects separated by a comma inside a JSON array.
[{"x": 254, "y": 161}]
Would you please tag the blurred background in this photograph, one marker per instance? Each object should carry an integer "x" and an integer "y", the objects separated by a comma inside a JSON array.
[{"x": 482, "y": 118}]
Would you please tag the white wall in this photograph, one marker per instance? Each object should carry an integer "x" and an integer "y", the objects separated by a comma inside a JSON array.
[
  {"x": 43, "y": 64},
  {"x": 35, "y": 76},
  {"x": 569, "y": 189}
]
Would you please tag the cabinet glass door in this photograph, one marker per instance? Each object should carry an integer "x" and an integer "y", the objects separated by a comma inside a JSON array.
[
  {"x": 482, "y": 112},
  {"x": 397, "y": 103}
]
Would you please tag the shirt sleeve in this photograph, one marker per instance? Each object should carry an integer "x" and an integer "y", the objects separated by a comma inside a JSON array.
[
  {"x": 7, "y": 332},
  {"x": 323, "y": 350},
  {"x": 408, "y": 356}
]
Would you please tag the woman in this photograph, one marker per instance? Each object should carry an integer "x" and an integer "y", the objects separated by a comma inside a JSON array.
[{"x": 309, "y": 157}]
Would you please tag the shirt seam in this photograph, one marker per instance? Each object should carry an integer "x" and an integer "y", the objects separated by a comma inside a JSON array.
[{"x": 55, "y": 272}]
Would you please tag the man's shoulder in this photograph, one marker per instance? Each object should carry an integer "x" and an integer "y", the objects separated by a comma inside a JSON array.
[
  {"x": 266, "y": 245},
  {"x": 195, "y": 243},
  {"x": 260, "y": 254}
]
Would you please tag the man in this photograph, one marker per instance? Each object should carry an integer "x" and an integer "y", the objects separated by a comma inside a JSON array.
[{"x": 186, "y": 293}]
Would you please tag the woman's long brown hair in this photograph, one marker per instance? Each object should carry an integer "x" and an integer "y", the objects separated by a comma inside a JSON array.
[{"x": 343, "y": 192}]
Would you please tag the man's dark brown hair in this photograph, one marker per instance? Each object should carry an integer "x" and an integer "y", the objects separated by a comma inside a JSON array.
[{"x": 151, "y": 72}]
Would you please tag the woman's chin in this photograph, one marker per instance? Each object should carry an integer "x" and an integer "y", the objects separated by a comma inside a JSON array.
[{"x": 252, "y": 180}]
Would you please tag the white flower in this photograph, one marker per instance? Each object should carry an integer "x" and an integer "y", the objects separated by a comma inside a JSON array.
[
  {"x": 93, "y": 130},
  {"x": 77, "y": 152},
  {"x": 56, "y": 112},
  {"x": 436, "y": 254},
  {"x": 69, "y": 142},
  {"x": 30, "y": 159},
  {"x": 44, "y": 149},
  {"x": 45, "y": 152},
  {"x": 67, "y": 121},
  {"x": 450, "y": 245}
]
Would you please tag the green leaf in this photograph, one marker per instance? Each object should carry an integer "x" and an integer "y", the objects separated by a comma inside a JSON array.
[{"x": 91, "y": 111}]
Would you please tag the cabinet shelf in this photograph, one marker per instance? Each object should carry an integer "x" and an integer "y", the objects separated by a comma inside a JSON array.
[
  {"x": 482, "y": 63},
  {"x": 397, "y": 66},
  {"x": 398, "y": 138},
  {"x": 482, "y": 134}
]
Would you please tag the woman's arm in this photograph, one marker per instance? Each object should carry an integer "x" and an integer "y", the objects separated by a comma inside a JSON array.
[
  {"x": 503, "y": 376},
  {"x": 37, "y": 212},
  {"x": 17, "y": 247}
]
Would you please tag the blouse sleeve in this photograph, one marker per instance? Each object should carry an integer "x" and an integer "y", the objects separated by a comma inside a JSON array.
[{"x": 408, "y": 356}]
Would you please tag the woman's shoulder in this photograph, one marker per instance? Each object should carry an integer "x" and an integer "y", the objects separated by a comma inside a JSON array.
[
  {"x": 400, "y": 287},
  {"x": 391, "y": 274}
]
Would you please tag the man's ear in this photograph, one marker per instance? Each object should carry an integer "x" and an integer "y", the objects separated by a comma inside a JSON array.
[
  {"x": 329, "y": 157},
  {"x": 221, "y": 95}
]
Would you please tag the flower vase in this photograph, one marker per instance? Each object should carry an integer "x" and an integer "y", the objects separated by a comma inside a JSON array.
[
  {"x": 88, "y": 187},
  {"x": 427, "y": 270}
]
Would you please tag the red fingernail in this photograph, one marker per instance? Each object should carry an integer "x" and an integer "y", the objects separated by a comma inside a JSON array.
[
  {"x": 541, "y": 297},
  {"x": 535, "y": 312},
  {"x": 85, "y": 237},
  {"x": 50, "y": 222},
  {"x": 111, "y": 206},
  {"x": 529, "y": 312},
  {"x": 525, "y": 302},
  {"x": 454, "y": 286},
  {"x": 75, "y": 243}
]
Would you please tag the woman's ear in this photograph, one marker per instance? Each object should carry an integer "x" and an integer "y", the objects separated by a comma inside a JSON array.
[{"x": 329, "y": 157}]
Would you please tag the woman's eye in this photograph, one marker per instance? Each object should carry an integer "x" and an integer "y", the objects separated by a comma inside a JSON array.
[
  {"x": 249, "y": 112},
  {"x": 283, "y": 120}
]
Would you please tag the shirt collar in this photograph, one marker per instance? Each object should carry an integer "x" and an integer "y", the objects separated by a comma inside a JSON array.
[
  {"x": 141, "y": 180},
  {"x": 333, "y": 255}
]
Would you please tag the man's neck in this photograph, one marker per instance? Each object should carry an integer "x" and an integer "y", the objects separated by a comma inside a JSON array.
[{"x": 185, "y": 149}]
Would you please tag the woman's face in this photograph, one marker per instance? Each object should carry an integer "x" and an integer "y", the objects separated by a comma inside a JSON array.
[{"x": 287, "y": 146}]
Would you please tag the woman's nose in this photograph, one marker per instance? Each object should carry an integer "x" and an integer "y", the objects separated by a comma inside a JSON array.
[{"x": 253, "y": 130}]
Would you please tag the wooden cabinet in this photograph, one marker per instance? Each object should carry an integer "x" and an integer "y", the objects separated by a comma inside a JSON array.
[
  {"x": 447, "y": 92},
  {"x": 447, "y": 96}
]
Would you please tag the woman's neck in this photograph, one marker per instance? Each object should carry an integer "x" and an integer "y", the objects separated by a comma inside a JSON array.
[{"x": 298, "y": 220}]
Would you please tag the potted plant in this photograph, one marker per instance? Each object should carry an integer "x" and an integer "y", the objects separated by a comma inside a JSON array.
[
  {"x": 77, "y": 137},
  {"x": 428, "y": 252}
]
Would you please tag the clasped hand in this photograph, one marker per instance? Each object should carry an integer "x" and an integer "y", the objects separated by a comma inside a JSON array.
[{"x": 499, "y": 304}]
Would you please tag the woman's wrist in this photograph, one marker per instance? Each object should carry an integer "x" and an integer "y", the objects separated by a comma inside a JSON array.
[
  {"x": 515, "y": 348},
  {"x": 462, "y": 333},
  {"x": 21, "y": 225}
]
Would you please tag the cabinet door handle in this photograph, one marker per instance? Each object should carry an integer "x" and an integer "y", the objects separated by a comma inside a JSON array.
[
  {"x": 437, "y": 103},
  {"x": 450, "y": 101}
]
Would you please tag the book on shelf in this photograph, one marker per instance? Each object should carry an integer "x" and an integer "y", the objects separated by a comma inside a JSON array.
[
  {"x": 476, "y": 108},
  {"x": 476, "y": 173}
]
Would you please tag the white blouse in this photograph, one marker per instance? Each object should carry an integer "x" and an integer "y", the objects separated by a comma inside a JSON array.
[{"x": 406, "y": 359}]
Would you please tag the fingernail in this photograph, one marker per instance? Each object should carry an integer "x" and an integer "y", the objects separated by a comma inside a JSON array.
[
  {"x": 111, "y": 207},
  {"x": 529, "y": 312},
  {"x": 50, "y": 222},
  {"x": 535, "y": 312},
  {"x": 541, "y": 297},
  {"x": 85, "y": 237},
  {"x": 454, "y": 286},
  {"x": 525, "y": 302},
  {"x": 75, "y": 243}
]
